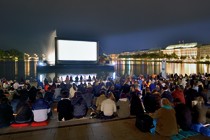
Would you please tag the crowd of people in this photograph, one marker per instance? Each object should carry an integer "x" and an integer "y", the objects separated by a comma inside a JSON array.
[{"x": 178, "y": 100}]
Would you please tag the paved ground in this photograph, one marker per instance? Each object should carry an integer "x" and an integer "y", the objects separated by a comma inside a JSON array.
[{"x": 84, "y": 129}]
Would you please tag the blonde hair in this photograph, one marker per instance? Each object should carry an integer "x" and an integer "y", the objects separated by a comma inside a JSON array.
[
  {"x": 200, "y": 100},
  {"x": 165, "y": 101}
]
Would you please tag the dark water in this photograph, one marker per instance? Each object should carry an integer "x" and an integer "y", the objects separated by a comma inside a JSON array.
[{"x": 27, "y": 70}]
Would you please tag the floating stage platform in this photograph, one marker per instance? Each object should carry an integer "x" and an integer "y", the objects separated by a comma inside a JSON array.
[{"x": 75, "y": 67}]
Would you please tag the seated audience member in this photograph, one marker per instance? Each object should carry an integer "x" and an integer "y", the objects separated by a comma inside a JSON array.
[
  {"x": 149, "y": 101},
  {"x": 100, "y": 99},
  {"x": 57, "y": 93},
  {"x": 178, "y": 94},
  {"x": 183, "y": 115},
  {"x": 79, "y": 104},
  {"x": 190, "y": 95},
  {"x": 40, "y": 108},
  {"x": 72, "y": 90},
  {"x": 88, "y": 96},
  {"x": 48, "y": 96},
  {"x": 166, "y": 119},
  {"x": 157, "y": 97},
  {"x": 167, "y": 94},
  {"x": 40, "y": 84},
  {"x": 108, "y": 106},
  {"x": 123, "y": 106},
  {"x": 23, "y": 112},
  {"x": 199, "y": 110},
  {"x": 15, "y": 101},
  {"x": 64, "y": 107},
  {"x": 32, "y": 93},
  {"x": 6, "y": 112},
  {"x": 136, "y": 107}
]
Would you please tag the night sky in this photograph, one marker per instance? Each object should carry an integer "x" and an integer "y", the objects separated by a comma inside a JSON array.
[{"x": 118, "y": 26}]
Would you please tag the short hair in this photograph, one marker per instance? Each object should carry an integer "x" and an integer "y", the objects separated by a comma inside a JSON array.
[
  {"x": 108, "y": 94},
  {"x": 165, "y": 101},
  {"x": 64, "y": 94},
  {"x": 39, "y": 95},
  {"x": 102, "y": 92}
]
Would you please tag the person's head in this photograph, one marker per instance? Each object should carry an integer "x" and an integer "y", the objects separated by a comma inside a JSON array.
[
  {"x": 1, "y": 92},
  {"x": 147, "y": 90},
  {"x": 49, "y": 88},
  {"x": 164, "y": 102},
  {"x": 108, "y": 94},
  {"x": 4, "y": 100},
  {"x": 200, "y": 100},
  {"x": 74, "y": 86},
  {"x": 132, "y": 88},
  {"x": 23, "y": 95},
  {"x": 102, "y": 92},
  {"x": 78, "y": 94},
  {"x": 123, "y": 95},
  {"x": 64, "y": 94},
  {"x": 165, "y": 87},
  {"x": 39, "y": 95},
  {"x": 89, "y": 85}
]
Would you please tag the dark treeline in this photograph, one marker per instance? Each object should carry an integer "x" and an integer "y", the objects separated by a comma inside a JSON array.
[
  {"x": 11, "y": 54},
  {"x": 150, "y": 55}
]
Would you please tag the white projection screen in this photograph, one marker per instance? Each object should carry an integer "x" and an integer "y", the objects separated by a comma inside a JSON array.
[{"x": 76, "y": 52}]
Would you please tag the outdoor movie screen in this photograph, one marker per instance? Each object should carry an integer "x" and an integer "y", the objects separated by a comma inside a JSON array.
[{"x": 72, "y": 51}]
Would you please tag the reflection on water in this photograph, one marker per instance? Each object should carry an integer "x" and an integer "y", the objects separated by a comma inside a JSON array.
[
  {"x": 27, "y": 69},
  {"x": 138, "y": 67}
]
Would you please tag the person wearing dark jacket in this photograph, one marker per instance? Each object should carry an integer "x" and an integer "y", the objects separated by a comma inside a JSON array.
[
  {"x": 167, "y": 94},
  {"x": 183, "y": 115},
  {"x": 136, "y": 107},
  {"x": 64, "y": 107},
  {"x": 190, "y": 95},
  {"x": 80, "y": 107},
  {"x": 40, "y": 108},
  {"x": 149, "y": 101},
  {"x": 23, "y": 110},
  {"x": 6, "y": 112}
]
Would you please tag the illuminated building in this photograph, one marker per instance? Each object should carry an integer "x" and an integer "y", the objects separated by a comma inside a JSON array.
[{"x": 189, "y": 50}]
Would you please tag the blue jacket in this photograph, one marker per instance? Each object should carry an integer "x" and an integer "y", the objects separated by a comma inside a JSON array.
[
  {"x": 40, "y": 104},
  {"x": 40, "y": 109}
]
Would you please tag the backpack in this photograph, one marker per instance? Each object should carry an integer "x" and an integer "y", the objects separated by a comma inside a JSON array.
[{"x": 144, "y": 123}]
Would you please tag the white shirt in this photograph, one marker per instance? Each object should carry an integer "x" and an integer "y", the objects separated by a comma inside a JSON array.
[
  {"x": 40, "y": 115},
  {"x": 16, "y": 85},
  {"x": 108, "y": 107}
]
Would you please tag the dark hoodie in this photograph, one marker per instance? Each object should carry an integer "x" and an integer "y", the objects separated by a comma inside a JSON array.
[{"x": 80, "y": 107}]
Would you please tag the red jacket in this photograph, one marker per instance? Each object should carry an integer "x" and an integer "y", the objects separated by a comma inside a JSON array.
[{"x": 178, "y": 94}]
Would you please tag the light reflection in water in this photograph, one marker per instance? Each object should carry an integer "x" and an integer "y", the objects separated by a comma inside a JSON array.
[
  {"x": 145, "y": 67},
  {"x": 35, "y": 70},
  {"x": 16, "y": 69},
  {"x": 28, "y": 69}
]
